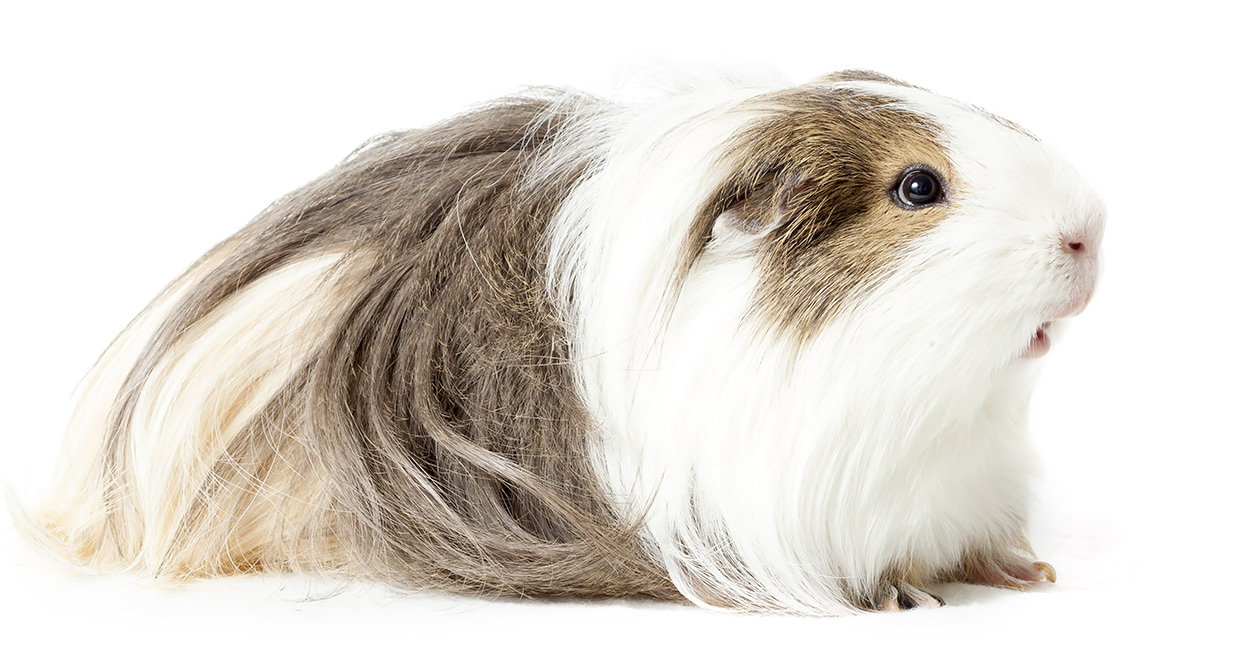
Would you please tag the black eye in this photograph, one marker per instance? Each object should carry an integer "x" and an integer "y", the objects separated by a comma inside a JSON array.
[{"x": 918, "y": 188}]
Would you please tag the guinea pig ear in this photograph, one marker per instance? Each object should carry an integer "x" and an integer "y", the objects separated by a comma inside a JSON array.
[{"x": 756, "y": 211}]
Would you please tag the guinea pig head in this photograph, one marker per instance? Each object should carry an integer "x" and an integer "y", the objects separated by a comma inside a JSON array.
[{"x": 867, "y": 198}]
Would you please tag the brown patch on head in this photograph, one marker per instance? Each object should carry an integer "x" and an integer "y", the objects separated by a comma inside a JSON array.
[
  {"x": 861, "y": 75},
  {"x": 869, "y": 75},
  {"x": 814, "y": 186}
]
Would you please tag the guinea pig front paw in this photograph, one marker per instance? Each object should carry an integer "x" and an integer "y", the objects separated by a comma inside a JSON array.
[
  {"x": 904, "y": 596},
  {"x": 1006, "y": 573}
]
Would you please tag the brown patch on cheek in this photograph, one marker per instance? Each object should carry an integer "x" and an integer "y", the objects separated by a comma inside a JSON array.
[{"x": 823, "y": 166}]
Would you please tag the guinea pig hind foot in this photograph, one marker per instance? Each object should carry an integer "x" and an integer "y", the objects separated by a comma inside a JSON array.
[{"x": 1014, "y": 573}]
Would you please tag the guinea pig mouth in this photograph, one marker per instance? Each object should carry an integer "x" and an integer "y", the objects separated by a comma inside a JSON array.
[{"x": 1039, "y": 344}]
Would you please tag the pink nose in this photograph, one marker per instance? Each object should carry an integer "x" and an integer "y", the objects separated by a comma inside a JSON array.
[
  {"x": 1082, "y": 247},
  {"x": 1075, "y": 245}
]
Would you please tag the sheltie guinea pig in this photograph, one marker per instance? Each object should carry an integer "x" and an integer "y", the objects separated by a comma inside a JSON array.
[{"x": 767, "y": 349}]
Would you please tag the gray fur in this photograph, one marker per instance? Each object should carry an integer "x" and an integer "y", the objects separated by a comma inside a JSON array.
[{"x": 441, "y": 409}]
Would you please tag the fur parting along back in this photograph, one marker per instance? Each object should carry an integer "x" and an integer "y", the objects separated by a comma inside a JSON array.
[{"x": 368, "y": 379}]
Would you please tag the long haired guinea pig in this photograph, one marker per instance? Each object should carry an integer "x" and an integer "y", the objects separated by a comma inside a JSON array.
[{"x": 761, "y": 349}]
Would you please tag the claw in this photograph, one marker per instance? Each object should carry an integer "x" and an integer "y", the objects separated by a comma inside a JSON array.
[
  {"x": 903, "y": 596},
  {"x": 1046, "y": 570},
  {"x": 915, "y": 597}
]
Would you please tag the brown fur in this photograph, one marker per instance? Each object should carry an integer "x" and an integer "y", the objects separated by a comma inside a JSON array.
[{"x": 816, "y": 183}]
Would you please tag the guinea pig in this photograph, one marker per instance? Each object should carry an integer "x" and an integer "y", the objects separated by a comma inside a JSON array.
[{"x": 763, "y": 349}]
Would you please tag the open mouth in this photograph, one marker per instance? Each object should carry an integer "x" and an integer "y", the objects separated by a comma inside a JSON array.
[{"x": 1039, "y": 344}]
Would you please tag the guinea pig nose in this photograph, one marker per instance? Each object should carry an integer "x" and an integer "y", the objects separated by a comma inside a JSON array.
[{"x": 1075, "y": 245}]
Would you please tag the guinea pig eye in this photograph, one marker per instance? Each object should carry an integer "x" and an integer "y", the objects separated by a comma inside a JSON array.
[{"x": 918, "y": 188}]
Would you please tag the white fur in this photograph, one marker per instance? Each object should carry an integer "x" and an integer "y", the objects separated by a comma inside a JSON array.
[
  {"x": 257, "y": 339},
  {"x": 78, "y": 497},
  {"x": 218, "y": 377},
  {"x": 781, "y": 476}
]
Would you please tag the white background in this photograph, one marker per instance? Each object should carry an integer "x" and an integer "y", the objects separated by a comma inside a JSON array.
[{"x": 134, "y": 137}]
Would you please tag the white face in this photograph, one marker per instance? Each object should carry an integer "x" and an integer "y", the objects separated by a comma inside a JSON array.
[{"x": 1019, "y": 250}]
